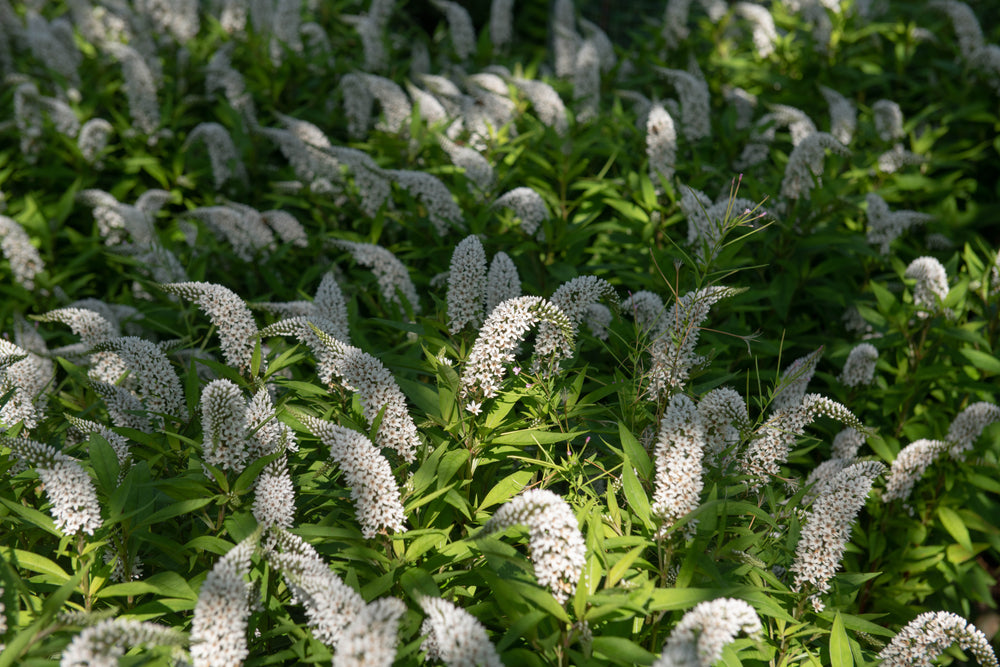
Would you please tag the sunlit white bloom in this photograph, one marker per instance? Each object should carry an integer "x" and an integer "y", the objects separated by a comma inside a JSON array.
[
  {"x": 499, "y": 337},
  {"x": 678, "y": 454},
  {"x": 764, "y": 32},
  {"x": 527, "y": 205},
  {"x": 426, "y": 105},
  {"x": 698, "y": 640},
  {"x": 118, "y": 443},
  {"x": 847, "y": 443},
  {"x": 574, "y": 299},
  {"x": 67, "y": 485},
  {"x": 388, "y": 270},
  {"x": 805, "y": 164},
  {"x": 723, "y": 415},
  {"x": 843, "y": 115},
  {"x": 232, "y": 319},
  {"x": 925, "y": 639},
  {"x": 827, "y": 527},
  {"x": 330, "y": 604},
  {"x": 102, "y": 644},
  {"x": 25, "y": 262},
  {"x": 93, "y": 138},
  {"x": 696, "y": 112},
  {"x": 219, "y": 627},
  {"x": 158, "y": 386},
  {"x": 395, "y": 104},
  {"x": 774, "y": 438},
  {"x": 124, "y": 407},
  {"x": 374, "y": 490},
  {"x": 466, "y": 284},
  {"x": 968, "y": 426},
  {"x": 274, "y": 496},
  {"x": 223, "y": 424},
  {"x": 931, "y": 287},
  {"x": 556, "y": 544},
  {"x": 454, "y": 636}
]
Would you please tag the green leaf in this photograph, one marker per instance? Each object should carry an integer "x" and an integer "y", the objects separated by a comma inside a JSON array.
[
  {"x": 176, "y": 509},
  {"x": 33, "y": 516},
  {"x": 618, "y": 570},
  {"x": 41, "y": 564},
  {"x": 638, "y": 502},
  {"x": 840, "y": 645},
  {"x": 622, "y": 651},
  {"x": 104, "y": 461},
  {"x": 22, "y": 639},
  {"x": 636, "y": 452},
  {"x": 885, "y": 298},
  {"x": 167, "y": 584},
  {"x": 418, "y": 583},
  {"x": 506, "y": 488},
  {"x": 982, "y": 360},
  {"x": 955, "y": 526},
  {"x": 532, "y": 436}
]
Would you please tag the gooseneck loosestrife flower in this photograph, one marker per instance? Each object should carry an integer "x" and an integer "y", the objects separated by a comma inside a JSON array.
[
  {"x": 574, "y": 298},
  {"x": 672, "y": 349},
  {"x": 219, "y": 627},
  {"x": 925, "y": 639},
  {"x": 230, "y": 315},
  {"x": 388, "y": 270},
  {"x": 827, "y": 528},
  {"x": 454, "y": 636},
  {"x": 466, "y": 284},
  {"x": 330, "y": 604},
  {"x": 68, "y": 487},
  {"x": 498, "y": 338},
  {"x": 968, "y": 426},
  {"x": 698, "y": 640},
  {"x": 931, "y": 287},
  {"x": 556, "y": 544},
  {"x": 373, "y": 488},
  {"x": 678, "y": 457},
  {"x": 158, "y": 388},
  {"x": 104, "y": 643},
  {"x": 370, "y": 639},
  {"x": 502, "y": 281},
  {"x": 860, "y": 366}
]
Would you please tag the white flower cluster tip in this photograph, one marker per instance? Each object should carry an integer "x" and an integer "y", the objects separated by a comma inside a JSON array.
[
  {"x": 556, "y": 544},
  {"x": 678, "y": 456},
  {"x": 698, "y": 640},
  {"x": 926, "y": 637},
  {"x": 454, "y": 636},
  {"x": 219, "y": 627}
]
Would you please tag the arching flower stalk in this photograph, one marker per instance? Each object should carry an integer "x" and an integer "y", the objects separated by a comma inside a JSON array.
[
  {"x": 106, "y": 641},
  {"x": 454, "y": 636},
  {"x": 791, "y": 388},
  {"x": 498, "y": 339},
  {"x": 68, "y": 487},
  {"x": 925, "y": 639},
  {"x": 219, "y": 627},
  {"x": 698, "y": 640},
  {"x": 158, "y": 388},
  {"x": 805, "y": 164},
  {"x": 827, "y": 528},
  {"x": 230, "y": 315},
  {"x": 26, "y": 376},
  {"x": 573, "y": 298},
  {"x": 373, "y": 488},
  {"x": 388, "y": 270},
  {"x": 966, "y": 428},
  {"x": 556, "y": 544},
  {"x": 370, "y": 639},
  {"x": 330, "y": 604},
  {"x": 909, "y": 466}
]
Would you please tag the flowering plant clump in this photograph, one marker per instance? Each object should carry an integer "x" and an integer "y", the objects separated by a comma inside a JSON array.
[{"x": 396, "y": 333}]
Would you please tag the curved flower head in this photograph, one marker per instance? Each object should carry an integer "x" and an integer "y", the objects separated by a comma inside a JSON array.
[
  {"x": 330, "y": 604},
  {"x": 388, "y": 270},
  {"x": 696, "y": 113},
  {"x": 698, "y": 640},
  {"x": 556, "y": 544},
  {"x": 454, "y": 636},
  {"x": 909, "y": 466},
  {"x": 67, "y": 485},
  {"x": 792, "y": 386},
  {"x": 573, "y": 298},
  {"x": 219, "y": 627},
  {"x": 661, "y": 144},
  {"x": 373, "y": 488},
  {"x": 966, "y": 428},
  {"x": 104, "y": 643},
  {"x": 222, "y": 154},
  {"x": 724, "y": 415},
  {"x": 860, "y": 366},
  {"x": 158, "y": 388},
  {"x": 274, "y": 496},
  {"x": 27, "y": 375},
  {"x": 460, "y": 28},
  {"x": 805, "y": 164},
  {"x": 434, "y": 195},
  {"x": 827, "y": 527},
  {"x": 499, "y": 337},
  {"x": 25, "y": 262},
  {"x": 527, "y": 205},
  {"x": 926, "y": 637},
  {"x": 370, "y": 639},
  {"x": 885, "y": 225},
  {"x": 223, "y": 410},
  {"x": 230, "y": 315}
]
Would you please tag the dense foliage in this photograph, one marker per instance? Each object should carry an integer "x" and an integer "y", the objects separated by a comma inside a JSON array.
[{"x": 328, "y": 336}]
